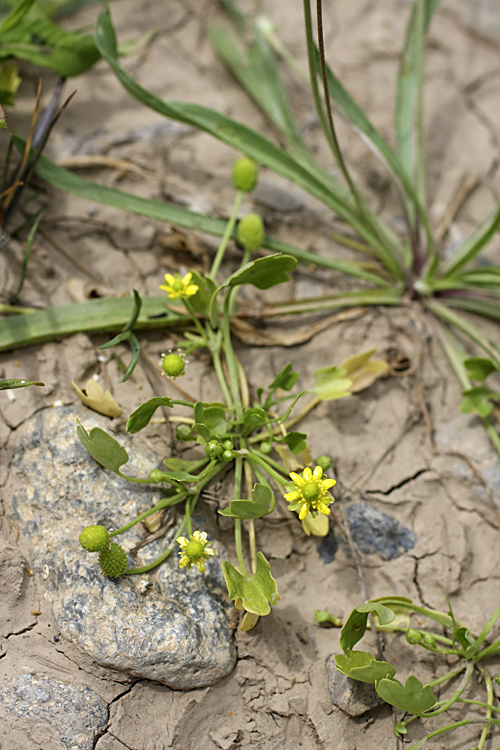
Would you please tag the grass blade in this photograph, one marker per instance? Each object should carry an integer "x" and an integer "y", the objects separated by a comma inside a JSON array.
[
  {"x": 473, "y": 244},
  {"x": 97, "y": 315},
  {"x": 70, "y": 183},
  {"x": 484, "y": 307},
  {"x": 19, "y": 10},
  {"x": 463, "y": 325}
]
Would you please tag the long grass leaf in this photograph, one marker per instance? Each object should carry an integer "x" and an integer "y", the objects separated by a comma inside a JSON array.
[
  {"x": 486, "y": 308},
  {"x": 17, "y": 13},
  {"x": 70, "y": 183},
  {"x": 97, "y": 315},
  {"x": 472, "y": 245},
  {"x": 463, "y": 325}
]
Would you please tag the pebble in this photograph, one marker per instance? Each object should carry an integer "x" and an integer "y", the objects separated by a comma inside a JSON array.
[
  {"x": 374, "y": 531},
  {"x": 354, "y": 698},
  {"x": 176, "y": 630}
]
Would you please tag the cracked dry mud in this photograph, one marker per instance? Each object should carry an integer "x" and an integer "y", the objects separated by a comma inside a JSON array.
[{"x": 277, "y": 695}]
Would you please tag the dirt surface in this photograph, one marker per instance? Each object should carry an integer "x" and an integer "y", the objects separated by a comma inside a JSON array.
[{"x": 385, "y": 450}]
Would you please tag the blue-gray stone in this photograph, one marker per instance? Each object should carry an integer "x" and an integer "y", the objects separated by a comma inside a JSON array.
[
  {"x": 73, "y": 717},
  {"x": 374, "y": 531},
  {"x": 170, "y": 625}
]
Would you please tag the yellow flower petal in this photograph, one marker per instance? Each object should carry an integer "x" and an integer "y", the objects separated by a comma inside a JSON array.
[
  {"x": 307, "y": 474},
  {"x": 318, "y": 472},
  {"x": 200, "y": 565}
]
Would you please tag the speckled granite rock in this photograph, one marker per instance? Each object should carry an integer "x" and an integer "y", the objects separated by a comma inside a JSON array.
[
  {"x": 374, "y": 531},
  {"x": 170, "y": 625},
  {"x": 352, "y": 697},
  {"x": 61, "y": 716}
]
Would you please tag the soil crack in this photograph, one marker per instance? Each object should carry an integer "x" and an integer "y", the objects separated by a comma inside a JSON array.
[{"x": 400, "y": 484}]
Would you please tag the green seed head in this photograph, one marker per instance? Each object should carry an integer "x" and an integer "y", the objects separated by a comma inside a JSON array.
[
  {"x": 245, "y": 174},
  {"x": 156, "y": 476},
  {"x": 266, "y": 447},
  {"x": 413, "y": 636},
  {"x": 325, "y": 462},
  {"x": 173, "y": 365},
  {"x": 310, "y": 491},
  {"x": 251, "y": 232},
  {"x": 228, "y": 445},
  {"x": 227, "y": 456},
  {"x": 113, "y": 561},
  {"x": 184, "y": 432},
  {"x": 194, "y": 550},
  {"x": 94, "y": 538}
]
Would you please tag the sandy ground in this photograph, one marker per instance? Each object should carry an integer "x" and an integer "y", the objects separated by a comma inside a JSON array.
[{"x": 380, "y": 441}]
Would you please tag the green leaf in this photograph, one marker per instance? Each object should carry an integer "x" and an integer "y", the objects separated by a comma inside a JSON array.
[
  {"x": 331, "y": 383},
  {"x": 362, "y": 666},
  {"x": 477, "y": 401},
  {"x": 67, "y": 53},
  {"x": 285, "y": 379},
  {"x": 263, "y": 272},
  {"x": 256, "y": 591},
  {"x": 214, "y": 417},
  {"x": 384, "y": 614},
  {"x": 254, "y": 417},
  {"x": 296, "y": 441},
  {"x": 9, "y": 83},
  {"x": 16, "y": 383},
  {"x": 353, "y": 630},
  {"x": 478, "y": 368},
  {"x": 103, "y": 448},
  {"x": 473, "y": 245},
  {"x": 143, "y": 414},
  {"x": 247, "y": 509},
  {"x": 326, "y": 620},
  {"x": 198, "y": 412},
  {"x": 414, "y": 697},
  {"x": 203, "y": 432},
  {"x": 179, "y": 464},
  {"x": 355, "y": 625},
  {"x": 200, "y": 302},
  {"x": 18, "y": 12}
]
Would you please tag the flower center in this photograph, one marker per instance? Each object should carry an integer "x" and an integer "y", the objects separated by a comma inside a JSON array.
[
  {"x": 194, "y": 550},
  {"x": 310, "y": 491},
  {"x": 173, "y": 365},
  {"x": 178, "y": 285}
]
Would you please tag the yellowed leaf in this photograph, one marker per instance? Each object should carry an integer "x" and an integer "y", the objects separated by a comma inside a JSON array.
[
  {"x": 249, "y": 621},
  {"x": 351, "y": 364},
  {"x": 93, "y": 397},
  {"x": 318, "y": 526},
  {"x": 368, "y": 374}
]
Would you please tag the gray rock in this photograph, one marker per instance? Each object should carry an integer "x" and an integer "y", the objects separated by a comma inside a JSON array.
[
  {"x": 352, "y": 697},
  {"x": 170, "y": 625},
  {"x": 68, "y": 717},
  {"x": 374, "y": 531}
]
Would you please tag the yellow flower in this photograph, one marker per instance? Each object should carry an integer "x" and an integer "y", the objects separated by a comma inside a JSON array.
[
  {"x": 310, "y": 493},
  {"x": 178, "y": 288},
  {"x": 194, "y": 550}
]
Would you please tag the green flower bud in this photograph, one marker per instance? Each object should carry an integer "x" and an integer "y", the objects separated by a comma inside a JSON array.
[
  {"x": 497, "y": 679},
  {"x": 227, "y": 445},
  {"x": 156, "y": 476},
  {"x": 251, "y": 232},
  {"x": 184, "y": 432},
  {"x": 245, "y": 174},
  {"x": 94, "y": 538},
  {"x": 213, "y": 449},
  {"x": 173, "y": 365},
  {"x": 266, "y": 447},
  {"x": 325, "y": 462},
  {"x": 227, "y": 456},
  {"x": 429, "y": 640},
  {"x": 413, "y": 636},
  {"x": 113, "y": 561}
]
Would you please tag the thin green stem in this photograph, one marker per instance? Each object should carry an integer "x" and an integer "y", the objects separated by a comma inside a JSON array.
[
  {"x": 238, "y": 471},
  {"x": 487, "y": 628},
  {"x": 490, "y": 650},
  {"x": 215, "y": 348},
  {"x": 166, "y": 553},
  {"x": 194, "y": 318},
  {"x": 490, "y": 695},
  {"x": 165, "y": 503},
  {"x": 446, "y": 677},
  {"x": 227, "y": 234},
  {"x": 458, "y": 692},
  {"x": 187, "y": 512},
  {"x": 232, "y": 365},
  {"x": 263, "y": 463}
]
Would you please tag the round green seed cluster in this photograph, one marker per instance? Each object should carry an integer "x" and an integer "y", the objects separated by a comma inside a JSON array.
[
  {"x": 94, "y": 538},
  {"x": 113, "y": 561},
  {"x": 325, "y": 462},
  {"x": 220, "y": 449},
  {"x": 245, "y": 174},
  {"x": 184, "y": 432},
  {"x": 173, "y": 365},
  {"x": 251, "y": 232}
]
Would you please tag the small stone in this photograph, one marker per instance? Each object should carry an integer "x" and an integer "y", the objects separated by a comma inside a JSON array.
[
  {"x": 72, "y": 717},
  {"x": 177, "y": 630},
  {"x": 374, "y": 531},
  {"x": 354, "y": 698}
]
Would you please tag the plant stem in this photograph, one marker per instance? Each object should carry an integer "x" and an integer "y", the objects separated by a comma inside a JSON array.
[
  {"x": 227, "y": 234},
  {"x": 263, "y": 462},
  {"x": 160, "y": 559},
  {"x": 490, "y": 695},
  {"x": 165, "y": 503},
  {"x": 446, "y": 677},
  {"x": 238, "y": 470},
  {"x": 458, "y": 692}
]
